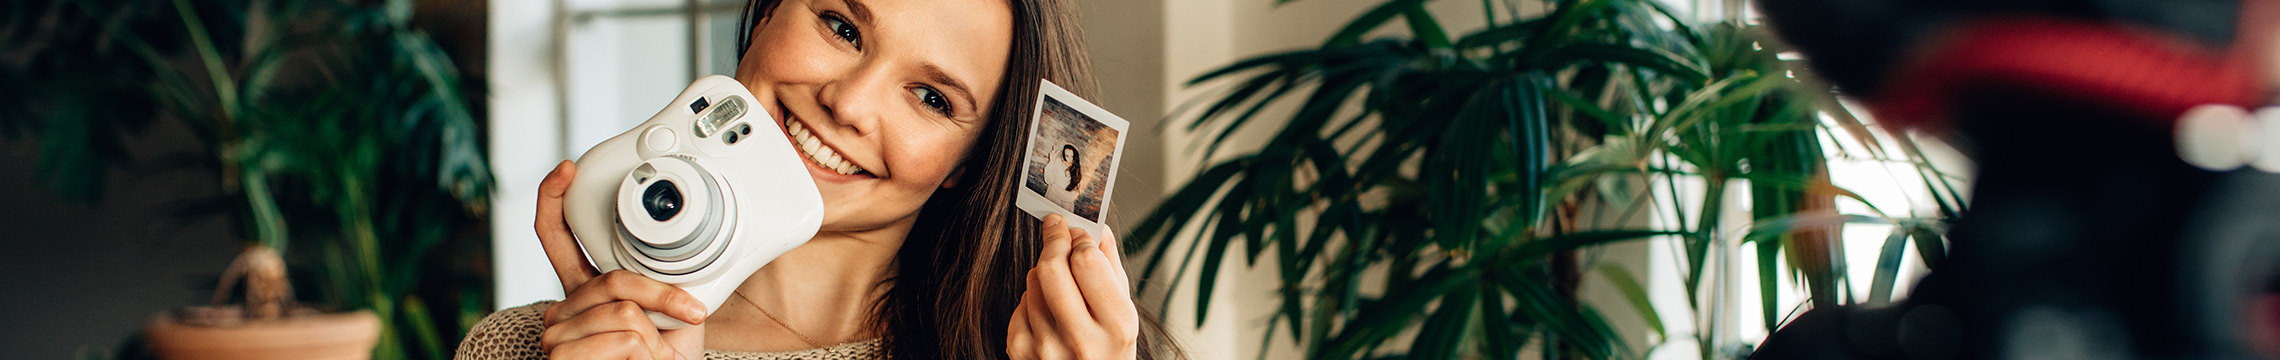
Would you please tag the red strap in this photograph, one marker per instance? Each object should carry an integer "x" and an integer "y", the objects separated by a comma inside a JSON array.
[{"x": 2130, "y": 69}]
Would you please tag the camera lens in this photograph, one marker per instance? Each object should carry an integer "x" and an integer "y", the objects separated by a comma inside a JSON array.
[{"x": 662, "y": 200}]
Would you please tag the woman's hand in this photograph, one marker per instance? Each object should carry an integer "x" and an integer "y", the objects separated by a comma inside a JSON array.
[
  {"x": 605, "y": 315},
  {"x": 1077, "y": 305}
]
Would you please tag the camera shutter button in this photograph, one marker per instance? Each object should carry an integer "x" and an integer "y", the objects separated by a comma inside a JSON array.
[{"x": 658, "y": 139}]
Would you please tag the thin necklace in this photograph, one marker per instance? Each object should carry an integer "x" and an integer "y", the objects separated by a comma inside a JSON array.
[{"x": 780, "y": 322}]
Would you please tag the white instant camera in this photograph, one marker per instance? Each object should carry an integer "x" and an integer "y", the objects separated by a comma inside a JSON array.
[{"x": 699, "y": 196}]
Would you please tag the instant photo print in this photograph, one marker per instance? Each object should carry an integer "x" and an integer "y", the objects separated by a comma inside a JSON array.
[{"x": 1069, "y": 167}]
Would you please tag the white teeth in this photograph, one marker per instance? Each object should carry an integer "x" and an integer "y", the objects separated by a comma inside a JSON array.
[{"x": 815, "y": 150}]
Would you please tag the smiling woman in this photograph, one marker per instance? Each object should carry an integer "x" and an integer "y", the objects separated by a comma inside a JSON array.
[{"x": 911, "y": 115}]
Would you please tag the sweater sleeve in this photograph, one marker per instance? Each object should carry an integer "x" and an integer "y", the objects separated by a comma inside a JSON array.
[{"x": 510, "y": 334}]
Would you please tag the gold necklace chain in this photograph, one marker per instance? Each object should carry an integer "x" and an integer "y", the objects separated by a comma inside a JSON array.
[{"x": 780, "y": 322}]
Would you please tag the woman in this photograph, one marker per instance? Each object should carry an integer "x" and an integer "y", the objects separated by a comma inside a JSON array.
[
  {"x": 1061, "y": 186},
  {"x": 921, "y": 254}
]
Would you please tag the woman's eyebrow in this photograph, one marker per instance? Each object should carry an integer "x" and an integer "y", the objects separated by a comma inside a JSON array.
[
  {"x": 935, "y": 74},
  {"x": 862, "y": 13}
]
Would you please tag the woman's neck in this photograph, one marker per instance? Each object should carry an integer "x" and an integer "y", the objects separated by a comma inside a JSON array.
[{"x": 825, "y": 290}]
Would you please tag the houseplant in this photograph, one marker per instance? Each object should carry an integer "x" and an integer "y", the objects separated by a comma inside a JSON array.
[
  {"x": 1458, "y": 165},
  {"x": 267, "y": 326},
  {"x": 1752, "y": 122},
  {"x": 340, "y": 133}
]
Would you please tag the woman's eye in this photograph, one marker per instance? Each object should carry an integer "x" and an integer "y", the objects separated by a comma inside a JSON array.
[
  {"x": 932, "y": 99},
  {"x": 844, "y": 30}
]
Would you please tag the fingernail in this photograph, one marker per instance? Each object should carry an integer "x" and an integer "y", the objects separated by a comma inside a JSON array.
[
  {"x": 1054, "y": 220},
  {"x": 558, "y": 167}
]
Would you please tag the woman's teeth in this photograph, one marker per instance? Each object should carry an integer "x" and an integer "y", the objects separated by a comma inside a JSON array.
[{"x": 815, "y": 150}]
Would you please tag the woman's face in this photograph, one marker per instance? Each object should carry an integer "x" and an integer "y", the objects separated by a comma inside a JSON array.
[
  {"x": 884, "y": 97},
  {"x": 1068, "y": 155}
]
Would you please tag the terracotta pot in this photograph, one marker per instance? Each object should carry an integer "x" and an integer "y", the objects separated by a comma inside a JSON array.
[{"x": 181, "y": 335}]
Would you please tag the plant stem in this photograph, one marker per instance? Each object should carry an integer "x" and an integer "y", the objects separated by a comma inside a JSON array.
[
  {"x": 268, "y": 222},
  {"x": 1706, "y": 235},
  {"x": 225, "y": 88}
]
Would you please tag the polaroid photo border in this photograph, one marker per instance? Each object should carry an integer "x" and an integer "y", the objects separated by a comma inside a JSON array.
[{"x": 1039, "y": 205}]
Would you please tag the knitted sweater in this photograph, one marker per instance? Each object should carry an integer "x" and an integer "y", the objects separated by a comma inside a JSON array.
[{"x": 512, "y": 334}]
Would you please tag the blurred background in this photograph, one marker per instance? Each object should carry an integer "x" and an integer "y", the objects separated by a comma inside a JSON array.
[{"x": 1619, "y": 178}]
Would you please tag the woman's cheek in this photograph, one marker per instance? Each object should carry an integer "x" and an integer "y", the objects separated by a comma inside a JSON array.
[
  {"x": 927, "y": 172},
  {"x": 789, "y": 58},
  {"x": 931, "y": 164}
]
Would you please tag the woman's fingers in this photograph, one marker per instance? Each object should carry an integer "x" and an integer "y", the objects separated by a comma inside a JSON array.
[
  {"x": 621, "y": 285},
  {"x": 618, "y": 330},
  {"x": 1018, "y": 337},
  {"x": 554, "y": 233},
  {"x": 1031, "y": 328},
  {"x": 613, "y": 346},
  {"x": 1077, "y": 302},
  {"x": 623, "y": 317},
  {"x": 1096, "y": 279},
  {"x": 1040, "y": 318},
  {"x": 1045, "y": 339},
  {"x": 1114, "y": 250},
  {"x": 1055, "y": 282}
]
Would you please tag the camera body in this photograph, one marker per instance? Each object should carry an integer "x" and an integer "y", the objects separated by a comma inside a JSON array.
[{"x": 700, "y": 196}]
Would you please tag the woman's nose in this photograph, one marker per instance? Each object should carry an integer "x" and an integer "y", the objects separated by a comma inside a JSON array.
[{"x": 858, "y": 101}]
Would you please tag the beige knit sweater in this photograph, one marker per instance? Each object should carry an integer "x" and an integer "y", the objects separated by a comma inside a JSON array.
[{"x": 512, "y": 334}]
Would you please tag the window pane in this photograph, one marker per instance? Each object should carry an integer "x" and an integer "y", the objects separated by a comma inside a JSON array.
[{"x": 619, "y": 71}]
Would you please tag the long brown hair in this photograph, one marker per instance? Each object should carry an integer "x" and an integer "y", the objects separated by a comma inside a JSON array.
[
  {"x": 963, "y": 268},
  {"x": 1076, "y": 165}
]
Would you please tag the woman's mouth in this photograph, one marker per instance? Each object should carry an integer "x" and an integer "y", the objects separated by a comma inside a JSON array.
[{"x": 818, "y": 152}]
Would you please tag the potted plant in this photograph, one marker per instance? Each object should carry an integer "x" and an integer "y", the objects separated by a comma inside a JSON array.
[
  {"x": 1458, "y": 165},
  {"x": 267, "y": 326},
  {"x": 345, "y": 144}
]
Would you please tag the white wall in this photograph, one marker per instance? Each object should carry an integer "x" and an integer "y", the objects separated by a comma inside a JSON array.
[{"x": 526, "y": 142}]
